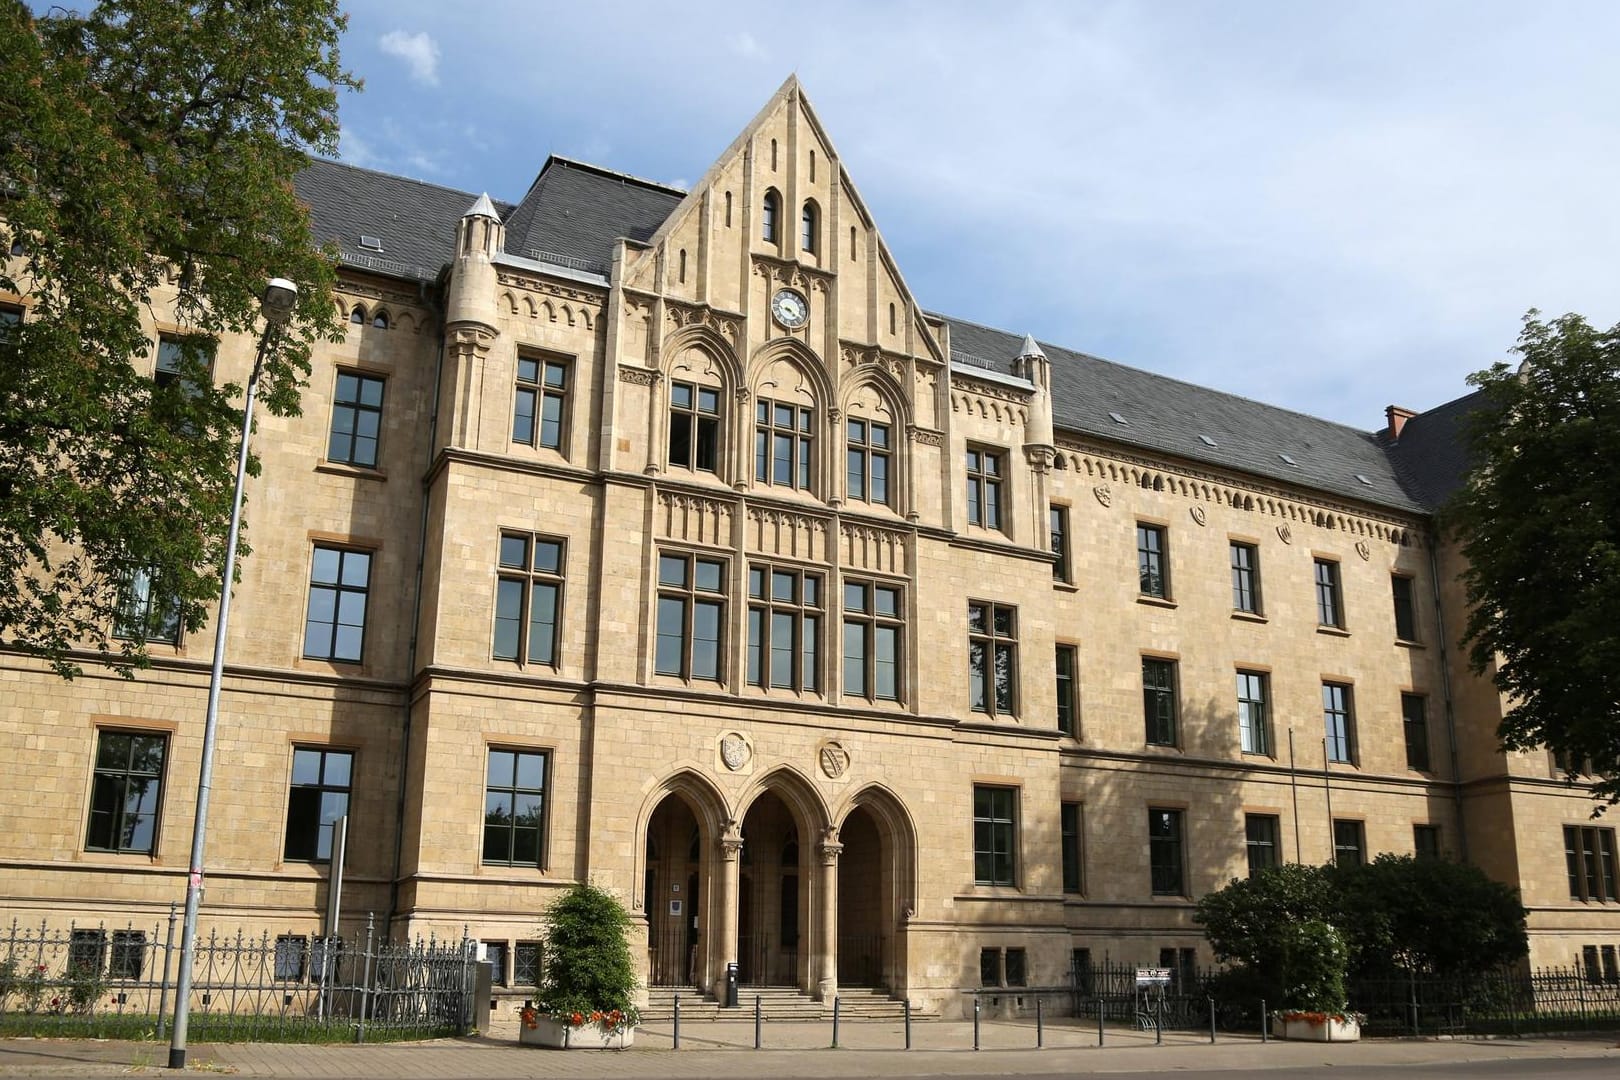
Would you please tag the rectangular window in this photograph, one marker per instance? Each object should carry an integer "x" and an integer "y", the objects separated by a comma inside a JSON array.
[
  {"x": 1081, "y": 974},
  {"x": 291, "y": 950},
  {"x": 1072, "y": 815},
  {"x": 784, "y": 628},
  {"x": 128, "y": 959},
  {"x": 1061, "y": 570},
  {"x": 1339, "y": 724},
  {"x": 1159, "y": 700},
  {"x": 10, "y": 319},
  {"x": 992, "y": 658},
  {"x": 1165, "y": 858},
  {"x": 318, "y": 798},
  {"x": 1426, "y": 841},
  {"x": 1589, "y": 962},
  {"x": 784, "y": 444},
  {"x": 1611, "y": 969},
  {"x": 984, "y": 487},
  {"x": 335, "y": 626},
  {"x": 1015, "y": 965},
  {"x": 989, "y": 967},
  {"x": 1415, "y": 722},
  {"x": 127, "y": 792},
  {"x": 528, "y": 598},
  {"x": 867, "y": 453},
  {"x": 995, "y": 832},
  {"x": 541, "y": 402},
  {"x": 1260, "y": 834},
  {"x": 526, "y": 964},
  {"x": 1068, "y": 712},
  {"x": 146, "y": 610},
  {"x": 691, "y": 617},
  {"x": 1245, "y": 578},
  {"x": 1329, "y": 601},
  {"x": 1254, "y": 717},
  {"x": 186, "y": 362},
  {"x": 325, "y": 959},
  {"x": 356, "y": 420},
  {"x": 1349, "y": 843},
  {"x": 1405, "y": 608},
  {"x": 1590, "y": 857},
  {"x": 872, "y": 640},
  {"x": 694, "y": 427},
  {"x": 1152, "y": 561},
  {"x": 87, "y": 952},
  {"x": 514, "y": 807},
  {"x": 495, "y": 955}
]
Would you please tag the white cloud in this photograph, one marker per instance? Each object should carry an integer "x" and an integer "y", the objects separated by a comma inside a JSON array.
[
  {"x": 747, "y": 46},
  {"x": 419, "y": 51},
  {"x": 356, "y": 151}
]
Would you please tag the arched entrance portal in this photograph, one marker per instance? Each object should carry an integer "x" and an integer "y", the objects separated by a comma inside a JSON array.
[
  {"x": 673, "y": 895},
  {"x": 876, "y": 878},
  {"x": 771, "y": 891}
]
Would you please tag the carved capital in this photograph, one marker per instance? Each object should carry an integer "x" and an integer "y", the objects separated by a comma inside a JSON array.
[
  {"x": 639, "y": 376},
  {"x": 829, "y": 853}
]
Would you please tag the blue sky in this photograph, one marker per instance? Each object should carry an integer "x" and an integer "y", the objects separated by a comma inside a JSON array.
[{"x": 1328, "y": 207}]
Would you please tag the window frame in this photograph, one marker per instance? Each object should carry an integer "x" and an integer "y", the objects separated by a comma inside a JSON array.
[
  {"x": 1406, "y": 612},
  {"x": 339, "y": 589},
  {"x": 1152, "y": 560},
  {"x": 354, "y": 409},
  {"x": 1263, "y": 852},
  {"x": 138, "y": 618},
  {"x": 690, "y": 597},
  {"x": 859, "y": 455},
  {"x": 990, "y": 643},
  {"x": 869, "y": 621},
  {"x": 1165, "y": 692},
  {"x": 323, "y": 828},
  {"x": 1415, "y": 731},
  {"x": 1167, "y": 852},
  {"x": 986, "y": 480},
  {"x": 1057, "y": 520},
  {"x": 1339, "y": 721},
  {"x": 530, "y": 580},
  {"x": 1346, "y": 830},
  {"x": 1245, "y": 563},
  {"x": 1071, "y": 835},
  {"x": 800, "y": 436},
  {"x": 1254, "y": 713},
  {"x": 1427, "y": 841},
  {"x": 1591, "y": 863},
  {"x": 770, "y": 224},
  {"x": 995, "y": 835},
  {"x": 540, "y": 392},
  {"x": 809, "y": 227},
  {"x": 1329, "y": 593},
  {"x": 702, "y": 427},
  {"x": 1066, "y": 671},
  {"x": 537, "y": 819},
  {"x": 117, "y": 779},
  {"x": 805, "y": 661}
]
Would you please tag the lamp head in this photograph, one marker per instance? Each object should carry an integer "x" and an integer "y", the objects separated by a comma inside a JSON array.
[{"x": 280, "y": 296}]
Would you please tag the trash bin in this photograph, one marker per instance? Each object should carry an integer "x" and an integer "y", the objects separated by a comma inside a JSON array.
[{"x": 731, "y": 986}]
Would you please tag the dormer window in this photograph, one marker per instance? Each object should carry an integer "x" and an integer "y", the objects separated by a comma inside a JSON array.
[
  {"x": 371, "y": 243},
  {"x": 768, "y": 216},
  {"x": 807, "y": 226}
]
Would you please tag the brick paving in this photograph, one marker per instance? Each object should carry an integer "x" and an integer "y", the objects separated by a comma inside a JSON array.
[{"x": 724, "y": 1050}]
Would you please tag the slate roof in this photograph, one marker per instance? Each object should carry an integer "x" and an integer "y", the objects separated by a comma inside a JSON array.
[{"x": 574, "y": 212}]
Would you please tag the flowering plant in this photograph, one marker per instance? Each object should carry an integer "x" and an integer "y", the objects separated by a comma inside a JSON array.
[
  {"x": 1312, "y": 1017},
  {"x": 587, "y": 975}
]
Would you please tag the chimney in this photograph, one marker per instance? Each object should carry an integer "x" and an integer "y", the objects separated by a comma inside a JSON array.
[{"x": 1397, "y": 418}]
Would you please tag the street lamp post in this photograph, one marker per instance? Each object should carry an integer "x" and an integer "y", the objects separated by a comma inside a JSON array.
[{"x": 280, "y": 295}]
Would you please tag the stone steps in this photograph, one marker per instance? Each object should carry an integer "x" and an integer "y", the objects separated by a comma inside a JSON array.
[{"x": 780, "y": 1003}]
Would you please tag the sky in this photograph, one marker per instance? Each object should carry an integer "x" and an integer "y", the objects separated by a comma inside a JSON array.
[{"x": 1324, "y": 206}]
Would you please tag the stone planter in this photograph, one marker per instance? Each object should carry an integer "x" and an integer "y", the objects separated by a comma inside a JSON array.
[
  {"x": 555, "y": 1035},
  {"x": 1327, "y": 1030}
]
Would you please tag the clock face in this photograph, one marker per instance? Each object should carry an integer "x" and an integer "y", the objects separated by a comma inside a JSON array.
[{"x": 790, "y": 309}]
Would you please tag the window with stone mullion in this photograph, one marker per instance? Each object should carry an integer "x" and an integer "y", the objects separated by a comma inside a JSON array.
[
  {"x": 993, "y": 658},
  {"x": 784, "y": 628}
]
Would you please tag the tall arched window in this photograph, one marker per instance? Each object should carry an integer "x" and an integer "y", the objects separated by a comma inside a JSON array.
[
  {"x": 807, "y": 224},
  {"x": 767, "y": 218}
]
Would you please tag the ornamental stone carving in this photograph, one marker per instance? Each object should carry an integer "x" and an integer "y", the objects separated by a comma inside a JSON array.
[
  {"x": 1363, "y": 550},
  {"x": 637, "y": 376},
  {"x": 834, "y": 759},
  {"x": 1199, "y": 516},
  {"x": 1104, "y": 494},
  {"x": 1285, "y": 533},
  {"x": 735, "y": 751}
]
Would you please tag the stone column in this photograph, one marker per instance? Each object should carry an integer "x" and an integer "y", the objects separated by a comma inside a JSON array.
[
  {"x": 724, "y": 921},
  {"x": 826, "y": 954}
]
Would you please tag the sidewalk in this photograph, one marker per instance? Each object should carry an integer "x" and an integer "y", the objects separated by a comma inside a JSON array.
[{"x": 724, "y": 1049}]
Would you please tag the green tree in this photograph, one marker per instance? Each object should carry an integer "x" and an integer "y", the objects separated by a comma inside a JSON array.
[
  {"x": 1539, "y": 522},
  {"x": 147, "y": 150},
  {"x": 586, "y": 963}
]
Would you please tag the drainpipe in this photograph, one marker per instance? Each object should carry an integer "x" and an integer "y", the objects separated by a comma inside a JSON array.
[
  {"x": 1445, "y": 691},
  {"x": 416, "y": 623}
]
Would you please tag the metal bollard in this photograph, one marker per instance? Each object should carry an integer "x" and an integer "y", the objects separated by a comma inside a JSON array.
[
  {"x": 975, "y": 1021},
  {"x": 1211, "y": 1020},
  {"x": 1158, "y": 1024},
  {"x": 756, "y": 1022},
  {"x": 1265, "y": 1023},
  {"x": 1099, "y": 1022},
  {"x": 677, "y": 1037},
  {"x": 908, "y": 1023},
  {"x": 835, "y": 1022},
  {"x": 1040, "y": 1028}
]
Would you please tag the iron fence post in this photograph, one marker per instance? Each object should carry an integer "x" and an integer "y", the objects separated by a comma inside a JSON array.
[
  {"x": 365, "y": 981},
  {"x": 677, "y": 1035}
]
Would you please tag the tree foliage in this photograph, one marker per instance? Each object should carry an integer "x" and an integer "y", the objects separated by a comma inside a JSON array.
[
  {"x": 147, "y": 151},
  {"x": 586, "y": 963},
  {"x": 1397, "y": 913},
  {"x": 1539, "y": 522}
]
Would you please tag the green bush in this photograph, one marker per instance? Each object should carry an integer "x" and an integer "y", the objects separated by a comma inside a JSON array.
[
  {"x": 586, "y": 973},
  {"x": 1313, "y": 957}
]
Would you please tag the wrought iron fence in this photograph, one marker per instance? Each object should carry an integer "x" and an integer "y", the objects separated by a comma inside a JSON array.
[
  {"x": 1502, "y": 1002},
  {"x": 107, "y": 982}
]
